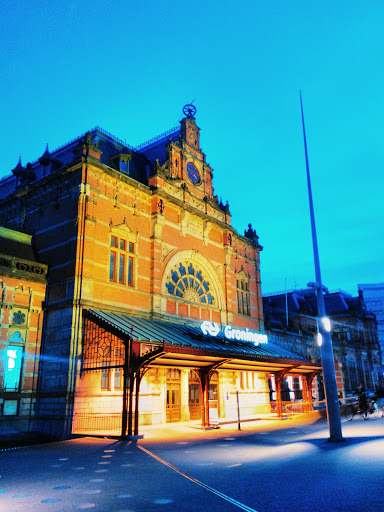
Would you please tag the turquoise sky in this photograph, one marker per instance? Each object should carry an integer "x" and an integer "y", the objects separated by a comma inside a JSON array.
[{"x": 129, "y": 67}]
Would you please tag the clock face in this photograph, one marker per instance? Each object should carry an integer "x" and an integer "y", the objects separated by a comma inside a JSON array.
[{"x": 193, "y": 173}]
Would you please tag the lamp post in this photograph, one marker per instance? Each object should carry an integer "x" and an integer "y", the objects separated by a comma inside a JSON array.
[{"x": 327, "y": 360}]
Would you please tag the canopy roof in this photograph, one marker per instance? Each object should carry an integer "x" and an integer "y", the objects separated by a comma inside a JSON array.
[{"x": 186, "y": 346}]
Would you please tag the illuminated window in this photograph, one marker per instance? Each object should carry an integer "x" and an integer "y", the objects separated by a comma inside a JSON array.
[
  {"x": 194, "y": 394},
  {"x": 188, "y": 282},
  {"x": 272, "y": 388},
  {"x": 10, "y": 407},
  {"x": 243, "y": 297},
  {"x": 247, "y": 380},
  {"x": 13, "y": 364},
  {"x": 242, "y": 385},
  {"x": 118, "y": 379},
  {"x": 212, "y": 390},
  {"x": 104, "y": 384},
  {"x": 121, "y": 260}
]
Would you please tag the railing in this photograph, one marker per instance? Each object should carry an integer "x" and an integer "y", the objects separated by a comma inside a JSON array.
[
  {"x": 152, "y": 141},
  {"x": 299, "y": 407},
  {"x": 108, "y": 423},
  {"x": 293, "y": 408},
  {"x": 96, "y": 422}
]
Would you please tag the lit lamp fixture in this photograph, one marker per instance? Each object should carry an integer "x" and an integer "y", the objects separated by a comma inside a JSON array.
[{"x": 326, "y": 323}]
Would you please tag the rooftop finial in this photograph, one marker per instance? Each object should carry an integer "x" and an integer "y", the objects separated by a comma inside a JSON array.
[
  {"x": 189, "y": 111},
  {"x": 19, "y": 169}
]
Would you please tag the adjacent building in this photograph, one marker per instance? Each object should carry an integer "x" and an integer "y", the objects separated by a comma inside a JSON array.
[
  {"x": 22, "y": 292},
  {"x": 290, "y": 321},
  {"x": 374, "y": 300}
]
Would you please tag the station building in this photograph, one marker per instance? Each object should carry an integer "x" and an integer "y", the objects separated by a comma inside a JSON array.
[{"x": 153, "y": 310}]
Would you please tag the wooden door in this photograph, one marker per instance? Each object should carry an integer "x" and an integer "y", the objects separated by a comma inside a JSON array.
[
  {"x": 173, "y": 395},
  {"x": 194, "y": 396}
]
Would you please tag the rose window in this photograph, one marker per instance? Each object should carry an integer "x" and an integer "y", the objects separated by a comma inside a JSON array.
[
  {"x": 18, "y": 317},
  {"x": 187, "y": 282}
]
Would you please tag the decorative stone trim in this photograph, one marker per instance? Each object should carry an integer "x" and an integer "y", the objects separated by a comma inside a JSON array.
[{"x": 18, "y": 267}]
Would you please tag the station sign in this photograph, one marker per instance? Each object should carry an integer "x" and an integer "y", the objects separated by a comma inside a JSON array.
[{"x": 233, "y": 333}]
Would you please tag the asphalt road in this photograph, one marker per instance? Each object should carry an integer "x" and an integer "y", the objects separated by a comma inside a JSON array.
[{"x": 261, "y": 470}]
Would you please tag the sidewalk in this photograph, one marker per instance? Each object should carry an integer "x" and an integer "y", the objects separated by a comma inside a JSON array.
[{"x": 193, "y": 429}]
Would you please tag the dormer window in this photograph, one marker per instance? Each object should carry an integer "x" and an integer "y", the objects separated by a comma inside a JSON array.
[{"x": 121, "y": 162}]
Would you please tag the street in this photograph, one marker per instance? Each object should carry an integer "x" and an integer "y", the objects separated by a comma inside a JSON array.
[{"x": 257, "y": 469}]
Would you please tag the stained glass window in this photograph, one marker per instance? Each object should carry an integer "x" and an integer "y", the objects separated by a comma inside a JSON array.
[{"x": 187, "y": 282}]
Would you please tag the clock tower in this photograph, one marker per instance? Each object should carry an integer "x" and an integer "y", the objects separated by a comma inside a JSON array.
[
  {"x": 196, "y": 174},
  {"x": 182, "y": 171}
]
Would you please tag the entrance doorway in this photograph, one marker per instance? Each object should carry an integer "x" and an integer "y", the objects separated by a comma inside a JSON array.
[
  {"x": 213, "y": 387},
  {"x": 213, "y": 402},
  {"x": 173, "y": 382},
  {"x": 194, "y": 396}
]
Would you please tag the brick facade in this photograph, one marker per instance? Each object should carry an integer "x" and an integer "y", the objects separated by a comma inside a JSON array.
[
  {"x": 22, "y": 292},
  {"x": 138, "y": 232}
]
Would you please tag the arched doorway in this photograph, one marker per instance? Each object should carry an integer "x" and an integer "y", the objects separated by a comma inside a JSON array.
[{"x": 173, "y": 383}]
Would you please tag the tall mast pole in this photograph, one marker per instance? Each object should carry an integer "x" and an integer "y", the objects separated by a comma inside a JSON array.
[{"x": 327, "y": 359}]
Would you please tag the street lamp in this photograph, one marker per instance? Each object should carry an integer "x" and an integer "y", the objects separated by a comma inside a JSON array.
[{"x": 327, "y": 360}]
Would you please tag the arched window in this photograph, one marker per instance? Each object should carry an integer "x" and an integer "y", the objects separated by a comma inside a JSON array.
[{"x": 187, "y": 281}]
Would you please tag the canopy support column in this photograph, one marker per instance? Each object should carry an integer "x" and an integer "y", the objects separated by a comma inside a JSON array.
[
  {"x": 138, "y": 378},
  {"x": 130, "y": 403},
  {"x": 309, "y": 379},
  {"x": 204, "y": 380},
  {"x": 279, "y": 376},
  {"x": 279, "y": 407},
  {"x": 307, "y": 396}
]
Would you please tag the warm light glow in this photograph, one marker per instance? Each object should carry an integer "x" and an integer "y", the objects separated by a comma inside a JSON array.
[{"x": 11, "y": 359}]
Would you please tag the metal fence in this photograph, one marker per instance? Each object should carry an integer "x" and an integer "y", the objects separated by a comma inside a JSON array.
[{"x": 96, "y": 422}]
